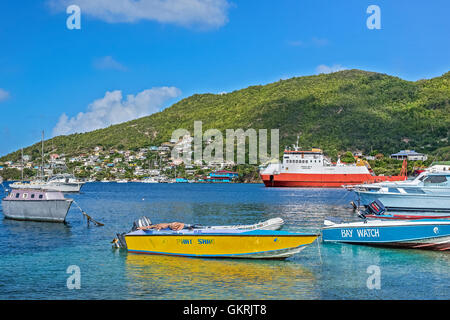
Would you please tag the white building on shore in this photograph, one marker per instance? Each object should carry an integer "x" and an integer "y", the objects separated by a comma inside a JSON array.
[{"x": 410, "y": 155}]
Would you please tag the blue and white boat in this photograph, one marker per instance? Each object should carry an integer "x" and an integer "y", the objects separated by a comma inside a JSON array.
[
  {"x": 377, "y": 210},
  {"x": 432, "y": 234},
  {"x": 430, "y": 191}
]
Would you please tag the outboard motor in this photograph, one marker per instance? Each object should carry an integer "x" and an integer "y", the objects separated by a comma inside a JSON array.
[
  {"x": 142, "y": 222},
  {"x": 120, "y": 243},
  {"x": 376, "y": 207}
]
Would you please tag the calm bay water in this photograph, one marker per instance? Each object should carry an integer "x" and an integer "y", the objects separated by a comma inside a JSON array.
[{"x": 34, "y": 256}]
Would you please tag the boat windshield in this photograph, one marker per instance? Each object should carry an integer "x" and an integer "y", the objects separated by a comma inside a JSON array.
[
  {"x": 421, "y": 178},
  {"x": 435, "y": 179}
]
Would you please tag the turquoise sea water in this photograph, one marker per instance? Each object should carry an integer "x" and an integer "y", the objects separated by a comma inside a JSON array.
[{"x": 34, "y": 257}]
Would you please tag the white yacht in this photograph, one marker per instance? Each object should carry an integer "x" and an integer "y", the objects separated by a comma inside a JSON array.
[
  {"x": 430, "y": 191},
  {"x": 60, "y": 182},
  {"x": 149, "y": 180},
  {"x": 64, "y": 182}
]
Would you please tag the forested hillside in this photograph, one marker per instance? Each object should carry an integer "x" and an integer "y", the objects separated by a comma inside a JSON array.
[{"x": 346, "y": 110}]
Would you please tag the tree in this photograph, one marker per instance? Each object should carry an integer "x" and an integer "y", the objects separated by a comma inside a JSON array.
[
  {"x": 11, "y": 174},
  {"x": 348, "y": 157}
]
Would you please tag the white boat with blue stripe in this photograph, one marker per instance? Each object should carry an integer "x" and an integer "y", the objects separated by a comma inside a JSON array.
[{"x": 428, "y": 192}]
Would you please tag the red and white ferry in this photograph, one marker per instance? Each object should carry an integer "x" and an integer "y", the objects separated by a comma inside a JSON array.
[{"x": 312, "y": 169}]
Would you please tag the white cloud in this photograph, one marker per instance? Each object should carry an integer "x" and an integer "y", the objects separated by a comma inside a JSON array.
[
  {"x": 108, "y": 63},
  {"x": 296, "y": 43},
  {"x": 204, "y": 13},
  {"x": 3, "y": 94},
  {"x": 313, "y": 43},
  {"x": 318, "y": 42},
  {"x": 113, "y": 109},
  {"x": 326, "y": 69}
]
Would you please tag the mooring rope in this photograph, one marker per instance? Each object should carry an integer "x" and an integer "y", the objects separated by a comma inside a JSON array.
[
  {"x": 89, "y": 218},
  {"x": 318, "y": 247}
]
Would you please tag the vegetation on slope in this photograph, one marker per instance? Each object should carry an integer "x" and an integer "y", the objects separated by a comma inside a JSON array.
[{"x": 346, "y": 110}]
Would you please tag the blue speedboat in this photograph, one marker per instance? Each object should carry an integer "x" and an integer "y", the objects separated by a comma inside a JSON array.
[
  {"x": 432, "y": 234},
  {"x": 430, "y": 191}
]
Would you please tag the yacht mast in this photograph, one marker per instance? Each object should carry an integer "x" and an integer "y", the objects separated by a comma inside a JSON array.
[
  {"x": 22, "y": 164},
  {"x": 42, "y": 160}
]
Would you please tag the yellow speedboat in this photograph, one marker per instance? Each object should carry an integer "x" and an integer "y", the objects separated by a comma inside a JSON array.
[{"x": 217, "y": 243}]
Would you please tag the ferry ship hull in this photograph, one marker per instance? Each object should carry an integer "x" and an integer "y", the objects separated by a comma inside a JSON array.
[{"x": 321, "y": 180}]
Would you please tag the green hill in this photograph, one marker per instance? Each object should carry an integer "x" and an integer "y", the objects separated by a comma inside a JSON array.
[{"x": 346, "y": 110}]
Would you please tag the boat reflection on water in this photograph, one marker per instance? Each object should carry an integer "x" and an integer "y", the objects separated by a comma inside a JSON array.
[
  {"x": 33, "y": 229},
  {"x": 196, "y": 278},
  {"x": 33, "y": 236}
]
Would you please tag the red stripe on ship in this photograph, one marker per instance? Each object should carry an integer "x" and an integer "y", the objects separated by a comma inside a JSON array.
[{"x": 322, "y": 180}]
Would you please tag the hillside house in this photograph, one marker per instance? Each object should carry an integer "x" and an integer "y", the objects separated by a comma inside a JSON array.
[{"x": 410, "y": 155}]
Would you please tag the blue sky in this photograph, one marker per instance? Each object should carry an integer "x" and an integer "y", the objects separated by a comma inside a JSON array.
[{"x": 131, "y": 59}]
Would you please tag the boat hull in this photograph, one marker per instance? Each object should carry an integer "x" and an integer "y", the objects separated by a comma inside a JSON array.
[
  {"x": 261, "y": 244},
  {"x": 408, "y": 202},
  {"x": 37, "y": 210},
  {"x": 409, "y": 216},
  {"x": 423, "y": 234},
  {"x": 325, "y": 180}
]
